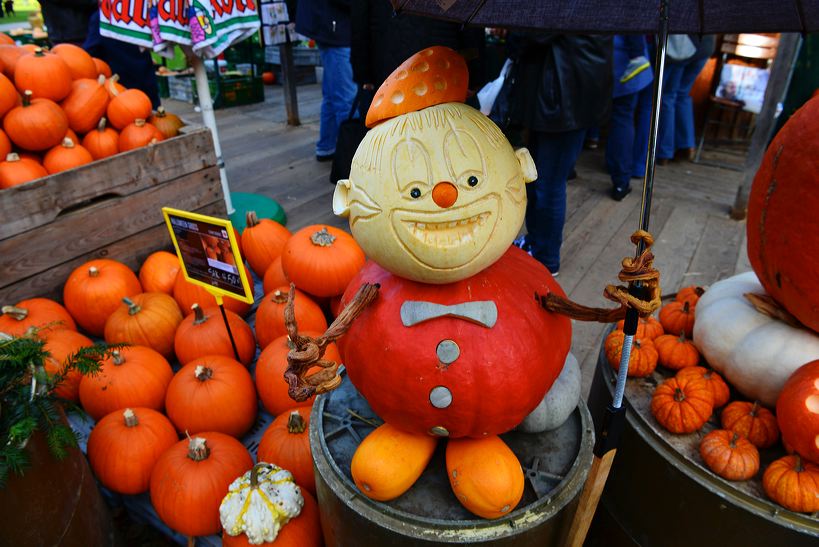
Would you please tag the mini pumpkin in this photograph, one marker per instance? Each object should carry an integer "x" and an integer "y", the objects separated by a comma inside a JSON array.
[
  {"x": 797, "y": 411},
  {"x": 16, "y": 170},
  {"x": 676, "y": 352},
  {"x": 46, "y": 75},
  {"x": 138, "y": 134},
  {"x": 719, "y": 389},
  {"x": 643, "y": 358},
  {"x": 752, "y": 421},
  {"x": 793, "y": 483},
  {"x": 147, "y": 319},
  {"x": 689, "y": 294},
  {"x": 42, "y": 313},
  {"x": 648, "y": 328},
  {"x": 94, "y": 290},
  {"x": 67, "y": 155},
  {"x": 158, "y": 272},
  {"x": 322, "y": 260},
  {"x": 729, "y": 455},
  {"x": 37, "y": 124},
  {"x": 102, "y": 142},
  {"x": 167, "y": 124},
  {"x": 203, "y": 333},
  {"x": 286, "y": 441},
  {"x": 270, "y": 315},
  {"x": 262, "y": 242},
  {"x": 678, "y": 317},
  {"x": 682, "y": 405}
]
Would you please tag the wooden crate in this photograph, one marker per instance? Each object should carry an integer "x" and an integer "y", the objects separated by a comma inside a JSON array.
[{"x": 108, "y": 209}]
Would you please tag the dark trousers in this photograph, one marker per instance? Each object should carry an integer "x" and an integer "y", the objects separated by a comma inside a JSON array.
[{"x": 628, "y": 137}]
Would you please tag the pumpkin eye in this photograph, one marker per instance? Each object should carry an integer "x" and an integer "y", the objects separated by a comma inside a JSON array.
[
  {"x": 415, "y": 193},
  {"x": 472, "y": 181}
]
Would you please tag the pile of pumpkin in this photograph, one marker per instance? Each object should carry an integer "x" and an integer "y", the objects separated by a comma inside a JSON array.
[
  {"x": 685, "y": 402},
  {"x": 62, "y": 108},
  {"x": 142, "y": 407}
]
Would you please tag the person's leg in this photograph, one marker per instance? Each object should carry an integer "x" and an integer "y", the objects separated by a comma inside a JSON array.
[
  {"x": 684, "y": 109},
  {"x": 665, "y": 136},
  {"x": 634, "y": 44},
  {"x": 621, "y": 140},
  {"x": 338, "y": 92},
  {"x": 642, "y": 126},
  {"x": 555, "y": 155}
]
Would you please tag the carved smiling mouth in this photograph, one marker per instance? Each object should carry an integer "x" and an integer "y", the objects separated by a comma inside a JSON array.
[{"x": 447, "y": 234}]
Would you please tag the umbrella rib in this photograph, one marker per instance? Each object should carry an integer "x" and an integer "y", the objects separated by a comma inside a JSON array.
[
  {"x": 801, "y": 12},
  {"x": 702, "y": 17},
  {"x": 474, "y": 12},
  {"x": 400, "y": 8}
]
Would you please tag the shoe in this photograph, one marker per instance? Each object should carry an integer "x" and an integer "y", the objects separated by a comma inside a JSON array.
[
  {"x": 634, "y": 67},
  {"x": 554, "y": 274},
  {"x": 328, "y": 157},
  {"x": 591, "y": 144},
  {"x": 617, "y": 194}
]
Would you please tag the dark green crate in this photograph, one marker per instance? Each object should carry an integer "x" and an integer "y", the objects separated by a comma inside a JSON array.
[
  {"x": 162, "y": 86},
  {"x": 225, "y": 93}
]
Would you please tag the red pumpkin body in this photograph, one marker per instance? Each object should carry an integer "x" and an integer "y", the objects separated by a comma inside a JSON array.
[
  {"x": 782, "y": 217},
  {"x": 797, "y": 411},
  {"x": 500, "y": 373}
]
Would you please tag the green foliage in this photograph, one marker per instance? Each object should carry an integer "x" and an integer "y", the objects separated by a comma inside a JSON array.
[{"x": 27, "y": 401}]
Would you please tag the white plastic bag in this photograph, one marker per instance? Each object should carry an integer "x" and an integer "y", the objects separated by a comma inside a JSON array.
[{"x": 489, "y": 92}]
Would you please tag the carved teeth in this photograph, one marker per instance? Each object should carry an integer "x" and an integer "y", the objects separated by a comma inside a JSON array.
[{"x": 447, "y": 234}]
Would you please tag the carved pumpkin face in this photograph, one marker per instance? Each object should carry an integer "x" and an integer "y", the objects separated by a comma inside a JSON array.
[{"x": 435, "y": 195}]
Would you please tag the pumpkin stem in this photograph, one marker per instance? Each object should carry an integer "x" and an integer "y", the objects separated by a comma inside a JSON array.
[
  {"x": 101, "y": 125},
  {"x": 679, "y": 395},
  {"x": 279, "y": 297},
  {"x": 16, "y": 313},
  {"x": 68, "y": 143},
  {"x": 699, "y": 291},
  {"x": 27, "y": 96},
  {"x": 754, "y": 409},
  {"x": 133, "y": 308},
  {"x": 112, "y": 89},
  {"x": 160, "y": 112},
  {"x": 682, "y": 337},
  {"x": 254, "y": 474},
  {"x": 93, "y": 271},
  {"x": 38, "y": 52},
  {"x": 251, "y": 219},
  {"x": 199, "y": 315},
  {"x": 733, "y": 443},
  {"x": 198, "y": 449},
  {"x": 118, "y": 358},
  {"x": 295, "y": 423},
  {"x": 101, "y": 79},
  {"x": 203, "y": 373},
  {"x": 799, "y": 467},
  {"x": 323, "y": 238},
  {"x": 139, "y": 122},
  {"x": 12, "y": 157},
  {"x": 686, "y": 307},
  {"x": 130, "y": 418}
]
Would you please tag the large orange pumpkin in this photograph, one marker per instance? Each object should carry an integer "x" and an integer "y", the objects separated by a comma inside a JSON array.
[
  {"x": 65, "y": 156},
  {"x": 286, "y": 442},
  {"x": 80, "y": 64},
  {"x": 203, "y": 333},
  {"x": 212, "y": 393},
  {"x": 45, "y": 74},
  {"x": 94, "y": 290},
  {"x": 138, "y": 134},
  {"x": 797, "y": 411},
  {"x": 302, "y": 531},
  {"x": 85, "y": 104},
  {"x": 192, "y": 477},
  {"x": 102, "y": 67},
  {"x": 16, "y": 170},
  {"x": 270, "y": 367},
  {"x": 9, "y": 55},
  {"x": 274, "y": 277},
  {"x": 270, "y": 315},
  {"x": 187, "y": 294},
  {"x": 102, "y": 141},
  {"x": 321, "y": 260},
  {"x": 133, "y": 376},
  {"x": 5, "y": 39},
  {"x": 262, "y": 242},
  {"x": 62, "y": 344},
  {"x": 127, "y": 106},
  {"x": 37, "y": 124},
  {"x": 159, "y": 271},
  {"x": 782, "y": 221},
  {"x": 42, "y": 313},
  {"x": 8, "y": 96},
  {"x": 147, "y": 319},
  {"x": 5, "y": 145},
  {"x": 124, "y": 446}
]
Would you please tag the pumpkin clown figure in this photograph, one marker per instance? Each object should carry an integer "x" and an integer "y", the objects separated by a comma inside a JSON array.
[{"x": 455, "y": 346}]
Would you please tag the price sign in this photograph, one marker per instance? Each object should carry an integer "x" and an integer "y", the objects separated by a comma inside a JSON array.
[{"x": 209, "y": 253}]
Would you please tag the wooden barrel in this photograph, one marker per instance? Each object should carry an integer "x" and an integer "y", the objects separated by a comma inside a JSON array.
[
  {"x": 555, "y": 465},
  {"x": 55, "y": 502},
  {"x": 659, "y": 492}
]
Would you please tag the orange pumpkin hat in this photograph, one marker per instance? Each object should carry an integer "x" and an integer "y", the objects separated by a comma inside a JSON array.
[{"x": 432, "y": 76}]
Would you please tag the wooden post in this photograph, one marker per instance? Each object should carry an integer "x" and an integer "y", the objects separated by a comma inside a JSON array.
[
  {"x": 778, "y": 83},
  {"x": 291, "y": 101}
]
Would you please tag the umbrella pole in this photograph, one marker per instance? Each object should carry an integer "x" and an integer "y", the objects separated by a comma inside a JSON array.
[
  {"x": 209, "y": 119},
  {"x": 608, "y": 431}
]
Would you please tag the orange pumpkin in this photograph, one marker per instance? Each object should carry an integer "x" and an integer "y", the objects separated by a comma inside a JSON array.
[
  {"x": 5, "y": 39},
  {"x": 270, "y": 315},
  {"x": 41, "y": 313},
  {"x": 158, "y": 272},
  {"x": 102, "y": 67},
  {"x": 37, "y": 124},
  {"x": 5, "y": 144},
  {"x": 127, "y": 106},
  {"x": 678, "y": 317},
  {"x": 102, "y": 141},
  {"x": 730, "y": 456},
  {"x": 270, "y": 367},
  {"x": 66, "y": 156},
  {"x": 46, "y": 75},
  {"x": 16, "y": 170},
  {"x": 647, "y": 329},
  {"x": 676, "y": 352},
  {"x": 286, "y": 442},
  {"x": 213, "y": 393},
  {"x": 113, "y": 86},
  {"x": 85, "y": 104},
  {"x": 80, "y": 63},
  {"x": 167, "y": 124},
  {"x": 274, "y": 276},
  {"x": 719, "y": 389},
  {"x": 268, "y": 78},
  {"x": 793, "y": 483},
  {"x": 485, "y": 475},
  {"x": 147, "y": 319},
  {"x": 8, "y": 97},
  {"x": 133, "y": 376},
  {"x": 187, "y": 294},
  {"x": 689, "y": 294},
  {"x": 124, "y": 446},
  {"x": 797, "y": 411},
  {"x": 682, "y": 405},
  {"x": 203, "y": 333},
  {"x": 322, "y": 260},
  {"x": 643, "y": 358},
  {"x": 190, "y": 479},
  {"x": 302, "y": 531},
  {"x": 9, "y": 55},
  {"x": 752, "y": 421},
  {"x": 262, "y": 242},
  {"x": 94, "y": 290},
  {"x": 138, "y": 134},
  {"x": 62, "y": 344}
]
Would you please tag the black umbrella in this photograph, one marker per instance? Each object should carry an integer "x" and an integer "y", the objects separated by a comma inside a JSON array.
[{"x": 622, "y": 17}]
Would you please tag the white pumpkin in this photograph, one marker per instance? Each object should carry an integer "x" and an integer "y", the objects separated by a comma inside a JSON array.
[
  {"x": 753, "y": 351},
  {"x": 558, "y": 403},
  {"x": 260, "y": 502}
]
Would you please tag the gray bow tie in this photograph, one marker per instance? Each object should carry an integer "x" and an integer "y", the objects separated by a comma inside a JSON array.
[{"x": 484, "y": 312}]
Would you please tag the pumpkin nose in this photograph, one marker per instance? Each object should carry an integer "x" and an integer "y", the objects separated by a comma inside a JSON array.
[{"x": 444, "y": 194}]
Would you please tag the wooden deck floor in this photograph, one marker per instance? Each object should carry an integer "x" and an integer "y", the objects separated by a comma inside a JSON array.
[{"x": 696, "y": 241}]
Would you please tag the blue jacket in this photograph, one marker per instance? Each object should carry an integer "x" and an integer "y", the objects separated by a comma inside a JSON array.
[
  {"x": 621, "y": 59},
  {"x": 325, "y": 21}
]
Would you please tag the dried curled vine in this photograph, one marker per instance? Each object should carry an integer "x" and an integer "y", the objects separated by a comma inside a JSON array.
[
  {"x": 640, "y": 269},
  {"x": 308, "y": 352}
]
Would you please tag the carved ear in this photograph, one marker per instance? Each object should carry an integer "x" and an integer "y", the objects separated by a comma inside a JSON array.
[
  {"x": 527, "y": 164},
  {"x": 341, "y": 202}
]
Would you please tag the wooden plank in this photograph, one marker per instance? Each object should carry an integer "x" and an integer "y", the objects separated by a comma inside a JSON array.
[
  {"x": 36, "y": 203},
  {"x": 131, "y": 250},
  {"x": 676, "y": 244},
  {"x": 80, "y": 232},
  {"x": 717, "y": 253}
]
